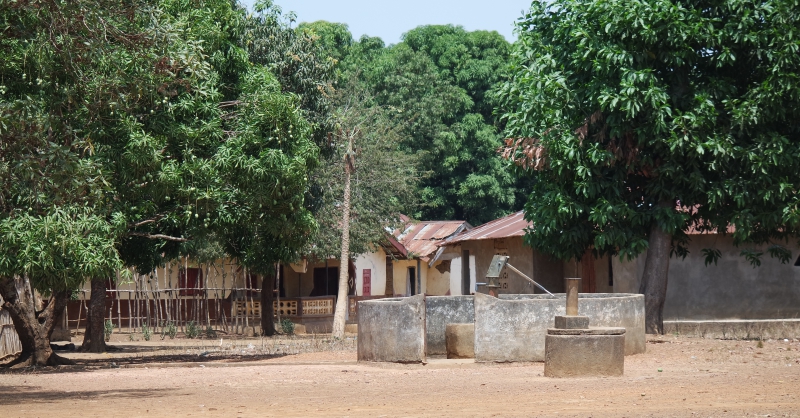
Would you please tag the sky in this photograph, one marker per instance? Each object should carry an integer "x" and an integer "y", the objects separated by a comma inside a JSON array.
[{"x": 390, "y": 19}]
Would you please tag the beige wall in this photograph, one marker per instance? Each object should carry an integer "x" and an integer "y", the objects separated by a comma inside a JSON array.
[
  {"x": 731, "y": 289},
  {"x": 540, "y": 268}
]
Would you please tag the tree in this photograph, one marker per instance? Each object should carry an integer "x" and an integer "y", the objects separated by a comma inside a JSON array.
[
  {"x": 368, "y": 180},
  {"x": 437, "y": 78},
  {"x": 52, "y": 254},
  {"x": 639, "y": 120},
  {"x": 67, "y": 69},
  {"x": 144, "y": 132},
  {"x": 265, "y": 167},
  {"x": 435, "y": 82}
]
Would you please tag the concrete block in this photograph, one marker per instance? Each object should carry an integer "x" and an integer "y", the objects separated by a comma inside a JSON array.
[
  {"x": 392, "y": 330},
  {"x": 460, "y": 340},
  {"x": 604, "y": 310},
  {"x": 589, "y": 352},
  {"x": 443, "y": 310},
  {"x": 572, "y": 322},
  {"x": 299, "y": 329},
  {"x": 351, "y": 328}
]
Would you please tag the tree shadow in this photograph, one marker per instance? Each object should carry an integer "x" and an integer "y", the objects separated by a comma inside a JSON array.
[
  {"x": 177, "y": 358},
  {"x": 11, "y": 395}
]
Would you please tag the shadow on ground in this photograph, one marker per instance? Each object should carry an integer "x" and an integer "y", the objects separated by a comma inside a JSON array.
[
  {"x": 84, "y": 365},
  {"x": 11, "y": 395}
]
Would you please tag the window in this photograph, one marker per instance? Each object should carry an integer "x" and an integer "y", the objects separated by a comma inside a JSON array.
[
  {"x": 190, "y": 282},
  {"x": 326, "y": 281}
]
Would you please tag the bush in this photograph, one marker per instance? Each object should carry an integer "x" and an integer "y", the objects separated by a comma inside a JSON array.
[
  {"x": 287, "y": 326},
  {"x": 146, "y": 332},
  {"x": 210, "y": 333},
  {"x": 108, "y": 329},
  {"x": 169, "y": 330},
  {"x": 192, "y": 330}
]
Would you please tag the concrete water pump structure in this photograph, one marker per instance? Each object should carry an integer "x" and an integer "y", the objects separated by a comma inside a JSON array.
[{"x": 507, "y": 328}]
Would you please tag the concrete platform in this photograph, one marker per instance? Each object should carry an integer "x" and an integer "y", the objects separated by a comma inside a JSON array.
[
  {"x": 596, "y": 351},
  {"x": 736, "y": 329}
]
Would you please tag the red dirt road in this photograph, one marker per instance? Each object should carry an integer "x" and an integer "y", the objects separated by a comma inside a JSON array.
[{"x": 699, "y": 378}]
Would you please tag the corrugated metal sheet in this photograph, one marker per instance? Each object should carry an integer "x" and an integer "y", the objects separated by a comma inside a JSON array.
[
  {"x": 509, "y": 226},
  {"x": 422, "y": 238}
]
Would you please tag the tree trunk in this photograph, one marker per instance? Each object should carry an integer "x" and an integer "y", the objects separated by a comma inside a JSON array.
[
  {"x": 341, "y": 298},
  {"x": 34, "y": 329},
  {"x": 267, "y": 314},
  {"x": 654, "y": 279},
  {"x": 94, "y": 337}
]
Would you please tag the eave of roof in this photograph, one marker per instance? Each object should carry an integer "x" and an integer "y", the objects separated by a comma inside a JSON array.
[
  {"x": 513, "y": 225},
  {"x": 421, "y": 239}
]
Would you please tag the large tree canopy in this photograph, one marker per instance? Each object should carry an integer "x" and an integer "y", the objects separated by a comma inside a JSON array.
[
  {"x": 128, "y": 132},
  {"x": 642, "y": 119},
  {"x": 435, "y": 83}
]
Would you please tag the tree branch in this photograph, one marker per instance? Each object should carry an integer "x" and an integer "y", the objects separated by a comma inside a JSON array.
[
  {"x": 147, "y": 221},
  {"x": 157, "y": 236}
]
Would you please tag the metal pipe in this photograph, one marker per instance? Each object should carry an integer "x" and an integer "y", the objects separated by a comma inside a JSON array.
[
  {"x": 572, "y": 295},
  {"x": 514, "y": 269}
]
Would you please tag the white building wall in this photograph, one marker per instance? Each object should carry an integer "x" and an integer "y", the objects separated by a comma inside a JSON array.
[
  {"x": 376, "y": 263},
  {"x": 455, "y": 276}
]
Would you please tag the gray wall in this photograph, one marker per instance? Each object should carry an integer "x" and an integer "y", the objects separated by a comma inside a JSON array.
[
  {"x": 392, "y": 330},
  {"x": 513, "y": 327},
  {"x": 732, "y": 289}
]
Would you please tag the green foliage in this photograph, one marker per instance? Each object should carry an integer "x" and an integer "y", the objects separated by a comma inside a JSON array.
[
  {"x": 192, "y": 330},
  {"x": 59, "y": 249},
  {"x": 147, "y": 333},
  {"x": 626, "y": 110},
  {"x": 434, "y": 87},
  {"x": 287, "y": 326},
  {"x": 265, "y": 167},
  {"x": 296, "y": 58},
  {"x": 108, "y": 329},
  {"x": 169, "y": 330},
  {"x": 437, "y": 80},
  {"x": 210, "y": 333},
  {"x": 383, "y": 185}
]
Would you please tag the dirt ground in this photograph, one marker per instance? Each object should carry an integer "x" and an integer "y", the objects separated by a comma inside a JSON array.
[{"x": 678, "y": 376}]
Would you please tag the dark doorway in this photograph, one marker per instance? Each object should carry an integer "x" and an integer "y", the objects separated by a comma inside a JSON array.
[
  {"x": 280, "y": 286},
  {"x": 465, "y": 273},
  {"x": 412, "y": 281},
  {"x": 325, "y": 284},
  {"x": 389, "y": 277}
]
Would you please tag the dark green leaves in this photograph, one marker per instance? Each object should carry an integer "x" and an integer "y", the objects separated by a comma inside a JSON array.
[{"x": 639, "y": 103}]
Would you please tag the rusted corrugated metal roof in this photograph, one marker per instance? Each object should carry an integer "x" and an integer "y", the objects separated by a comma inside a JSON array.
[
  {"x": 422, "y": 238},
  {"x": 509, "y": 226}
]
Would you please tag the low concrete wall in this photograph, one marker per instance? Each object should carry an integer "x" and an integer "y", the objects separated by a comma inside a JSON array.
[
  {"x": 392, "y": 330},
  {"x": 443, "y": 310},
  {"x": 742, "y": 329},
  {"x": 513, "y": 328}
]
